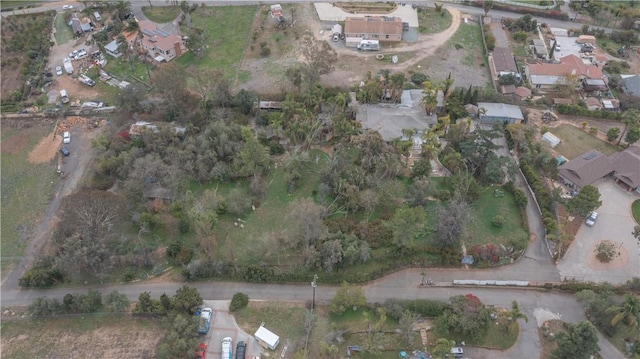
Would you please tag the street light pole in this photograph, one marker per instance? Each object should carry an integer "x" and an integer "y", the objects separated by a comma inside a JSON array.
[{"x": 314, "y": 284}]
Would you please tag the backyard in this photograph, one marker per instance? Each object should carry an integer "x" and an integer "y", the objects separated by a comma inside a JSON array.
[
  {"x": 432, "y": 21},
  {"x": 63, "y": 31},
  {"x": 576, "y": 141},
  {"x": 26, "y": 189}
]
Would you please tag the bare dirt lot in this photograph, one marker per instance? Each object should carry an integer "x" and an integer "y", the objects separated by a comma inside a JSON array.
[
  {"x": 429, "y": 54},
  {"x": 46, "y": 149}
]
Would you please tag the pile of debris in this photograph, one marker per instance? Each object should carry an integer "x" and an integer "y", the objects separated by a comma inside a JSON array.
[{"x": 71, "y": 121}]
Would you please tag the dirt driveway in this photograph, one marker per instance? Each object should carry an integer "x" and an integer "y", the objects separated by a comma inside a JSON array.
[{"x": 615, "y": 223}]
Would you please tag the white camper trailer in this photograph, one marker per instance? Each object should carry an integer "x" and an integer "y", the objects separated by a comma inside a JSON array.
[
  {"x": 267, "y": 338},
  {"x": 369, "y": 45}
]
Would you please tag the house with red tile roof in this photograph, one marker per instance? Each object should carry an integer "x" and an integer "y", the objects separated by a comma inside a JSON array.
[{"x": 546, "y": 76}]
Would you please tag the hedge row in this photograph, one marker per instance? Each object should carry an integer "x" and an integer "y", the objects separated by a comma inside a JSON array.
[
  {"x": 583, "y": 111},
  {"x": 423, "y": 307},
  {"x": 542, "y": 196}
]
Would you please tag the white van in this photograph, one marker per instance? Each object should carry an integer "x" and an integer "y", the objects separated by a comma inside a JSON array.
[{"x": 97, "y": 16}]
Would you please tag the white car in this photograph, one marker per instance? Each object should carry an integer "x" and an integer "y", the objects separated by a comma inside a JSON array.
[
  {"x": 67, "y": 7},
  {"x": 591, "y": 219},
  {"x": 227, "y": 350},
  {"x": 59, "y": 70},
  {"x": 66, "y": 137}
]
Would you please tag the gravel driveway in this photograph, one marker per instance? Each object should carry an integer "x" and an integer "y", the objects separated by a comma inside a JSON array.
[
  {"x": 223, "y": 324},
  {"x": 614, "y": 223}
]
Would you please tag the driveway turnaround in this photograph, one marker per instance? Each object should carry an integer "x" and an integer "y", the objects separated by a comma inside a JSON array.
[{"x": 615, "y": 223}]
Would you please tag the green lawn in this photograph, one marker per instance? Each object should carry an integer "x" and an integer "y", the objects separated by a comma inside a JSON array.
[
  {"x": 26, "y": 190},
  {"x": 161, "y": 14},
  {"x": 576, "y": 141},
  {"x": 121, "y": 68},
  {"x": 86, "y": 336},
  {"x": 635, "y": 210},
  {"x": 469, "y": 38},
  {"x": 284, "y": 319},
  {"x": 63, "y": 31},
  {"x": 249, "y": 243},
  {"x": 482, "y": 231},
  {"x": 227, "y": 30},
  {"x": 432, "y": 22}
]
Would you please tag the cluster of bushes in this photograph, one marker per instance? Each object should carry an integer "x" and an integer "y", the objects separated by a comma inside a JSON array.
[
  {"x": 542, "y": 196},
  {"x": 42, "y": 275},
  {"x": 519, "y": 196},
  {"x": 424, "y": 307},
  {"x": 185, "y": 301},
  {"x": 583, "y": 111},
  {"x": 79, "y": 303},
  {"x": 239, "y": 301}
]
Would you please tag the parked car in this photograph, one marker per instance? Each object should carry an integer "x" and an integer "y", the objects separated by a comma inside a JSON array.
[
  {"x": 227, "y": 351},
  {"x": 591, "y": 219},
  {"x": 66, "y": 137},
  {"x": 82, "y": 54},
  {"x": 205, "y": 320},
  {"x": 67, "y": 7},
  {"x": 201, "y": 353},
  {"x": 86, "y": 80},
  {"x": 457, "y": 352},
  {"x": 59, "y": 70},
  {"x": 65, "y": 152},
  {"x": 240, "y": 349}
]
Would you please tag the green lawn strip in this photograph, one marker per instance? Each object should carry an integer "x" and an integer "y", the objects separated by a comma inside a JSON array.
[
  {"x": 63, "y": 30},
  {"x": 432, "y": 22},
  {"x": 41, "y": 337},
  {"x": 635, "y": 210},
  {"x": 161, "y": 14},
  {"x": 227, "y": 32},
  {"x": 482, "y": 231},
  {"x": 576, "y": 141},
  {"x": 121, "y": 68},
  {"x": 26, "y": 190},
  {"x": 285, "y": 320},
  {"x": 468, "y": 38},
  {"x": 495, "y": 336}
]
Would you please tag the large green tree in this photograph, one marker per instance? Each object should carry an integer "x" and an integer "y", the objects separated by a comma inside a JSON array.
[
  {"x": 585, "y": 201},
  {"x": 579, "y": 342},
  {"x": 186, "y": 299},
  {"x": 407, "y": 224},
  {"x": 347, "y": 296},
  {"x": 181, "y": 338}
]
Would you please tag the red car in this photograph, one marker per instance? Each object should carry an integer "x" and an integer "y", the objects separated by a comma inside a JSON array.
[{"x": 202, "y": 351}]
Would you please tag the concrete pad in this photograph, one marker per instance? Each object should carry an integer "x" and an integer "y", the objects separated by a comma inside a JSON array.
[
  {"x": 615, "y": 223},
  {"x": 328, "y": 12}
]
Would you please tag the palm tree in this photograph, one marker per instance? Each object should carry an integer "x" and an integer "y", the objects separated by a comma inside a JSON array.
[
  {"x": 443, "y": 347},
  {"x": 513, "y": 315},
  {"x": 629, "y": 311},
  {"x": 630, "y": 118}
]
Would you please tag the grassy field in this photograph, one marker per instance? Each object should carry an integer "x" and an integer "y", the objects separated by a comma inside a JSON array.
[
  {"x": 512, "y": 233},
  {"x": 249, "y": 244},
  {"x": 87, "y": 336},
  {"x": 432, "y": 22},
  {"x": 121, "y": 68},
  {"x": 576, "y": 141},
  {"x": 287, "y": 320},
  {"x": 227, "y": 32},
  {"x": 469, "y": 37},
  {"x": 26, "y": 190},
  {"x": 63, "y": 31},
  {"x": 635, "y": 210},
  {"x": 161, "y": 14}
]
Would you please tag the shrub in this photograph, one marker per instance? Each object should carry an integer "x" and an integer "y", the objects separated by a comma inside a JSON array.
[
  {"x": 424, "y": 307},
  {"x": 520, "y": 36},
  {"x": 491, "y": 42},
  {"x": 613, "y": 133},
  {"x": 239, "y": 301},
  {"x": 593, "y": 130},
  {"x": 265, "y": 52},
  {"x": 418, "y": 78},
  {"x": 498, "y": 220},
  {"x": 605, "y": 251}
]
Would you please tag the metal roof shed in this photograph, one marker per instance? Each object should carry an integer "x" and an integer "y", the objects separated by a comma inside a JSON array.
[{"x": 267, "y": 338}]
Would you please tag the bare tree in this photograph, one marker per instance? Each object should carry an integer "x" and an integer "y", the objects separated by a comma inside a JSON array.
[
  {"x": 319, "y": 58},
  {"x": 452, "y": 221},
  {"x": 305, "y": 223}
]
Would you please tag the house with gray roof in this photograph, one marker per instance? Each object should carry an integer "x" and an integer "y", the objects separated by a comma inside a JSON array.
[
  {"x": 591, "y": 166},
  {"x": 585, "y": 169},
  {"x": 631, "y": 84},
  {"x": 499, "y": 113},
  {"x": 502, "y": 62}
]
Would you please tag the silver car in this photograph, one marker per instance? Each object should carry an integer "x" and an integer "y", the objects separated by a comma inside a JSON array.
[{"x": 591, "y": 219}]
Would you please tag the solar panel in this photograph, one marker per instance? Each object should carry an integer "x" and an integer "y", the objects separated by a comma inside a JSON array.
[{"x": 590, "y": 155}]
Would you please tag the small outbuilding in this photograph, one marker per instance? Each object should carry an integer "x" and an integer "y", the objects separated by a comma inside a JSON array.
[
  {"x": 551, "y": 139},
  {"x": 267, "y": 338},
  {"x": 499, "y": 113}
]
